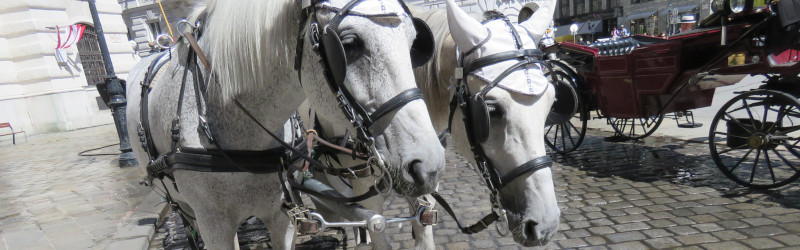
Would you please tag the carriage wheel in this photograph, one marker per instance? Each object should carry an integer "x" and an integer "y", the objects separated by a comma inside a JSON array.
[
  {"x": 635, "y": 128},
  {"x": 568, "y": 136},
  {"x": 566, "y": 123},
  {"x": 758, "y": 144}
]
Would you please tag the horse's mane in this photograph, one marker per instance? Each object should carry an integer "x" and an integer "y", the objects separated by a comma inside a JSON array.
[
  {"x": 249, "y": 42},
  {"x": 435, "y": 82}
]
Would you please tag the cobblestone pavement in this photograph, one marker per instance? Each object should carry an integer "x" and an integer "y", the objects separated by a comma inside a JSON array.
[
  {"x": 51, "y": 198},
  {"x": 657, "y": 193}
]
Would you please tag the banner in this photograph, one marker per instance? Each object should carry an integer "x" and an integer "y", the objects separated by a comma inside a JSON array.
[{"x": 70, "y": 35}]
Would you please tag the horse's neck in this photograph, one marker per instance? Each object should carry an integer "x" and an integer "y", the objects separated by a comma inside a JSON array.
[{"x": 257, "y": 74}]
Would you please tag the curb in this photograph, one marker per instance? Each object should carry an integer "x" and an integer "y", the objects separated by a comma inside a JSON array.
[{"x": 136, "y": 231}]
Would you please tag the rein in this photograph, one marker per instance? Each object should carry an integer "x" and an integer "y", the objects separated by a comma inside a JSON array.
[{"x": 464, "y": 100}]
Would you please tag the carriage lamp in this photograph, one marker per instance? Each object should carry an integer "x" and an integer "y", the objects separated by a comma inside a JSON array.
[
  {"x": 112, "y": 91},
  {"x": 737, "y": 5}
]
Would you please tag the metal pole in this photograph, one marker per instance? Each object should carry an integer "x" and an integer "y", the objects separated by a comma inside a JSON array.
[{"x": 115, "y": 92}]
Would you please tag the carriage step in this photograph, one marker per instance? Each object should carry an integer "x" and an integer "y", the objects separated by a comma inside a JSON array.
[{"x": 690, "y": 125}]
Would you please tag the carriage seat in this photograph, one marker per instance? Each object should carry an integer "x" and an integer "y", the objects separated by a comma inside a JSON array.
[{"x": 615, "y": 48}]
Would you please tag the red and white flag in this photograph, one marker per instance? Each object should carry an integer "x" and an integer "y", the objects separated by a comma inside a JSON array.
[{"x": 70, "y": 35}]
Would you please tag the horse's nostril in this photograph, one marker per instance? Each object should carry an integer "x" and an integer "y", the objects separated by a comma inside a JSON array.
[
  {"x": 530, "y": 229},
  {"x": 412, "y": 171}
]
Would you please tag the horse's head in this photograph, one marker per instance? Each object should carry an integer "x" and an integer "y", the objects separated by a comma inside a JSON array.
[
  {"x": 517, "y": 108},
  {"x": 368, "y": 52}
]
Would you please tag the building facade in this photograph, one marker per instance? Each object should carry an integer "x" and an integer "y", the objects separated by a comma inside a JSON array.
[
  {"x": 651, "y": 17},
  {"x": 40, "y": 92},
  {"x": 145, "y": 20}
]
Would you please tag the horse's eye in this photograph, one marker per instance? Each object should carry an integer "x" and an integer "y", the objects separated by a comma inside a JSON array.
[
  {"x": 495, "y": 111},
  {"x": 353, "y": 46}
]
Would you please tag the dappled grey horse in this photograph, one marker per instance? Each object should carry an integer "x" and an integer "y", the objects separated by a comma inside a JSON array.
[{"x": 222, "y": 111}]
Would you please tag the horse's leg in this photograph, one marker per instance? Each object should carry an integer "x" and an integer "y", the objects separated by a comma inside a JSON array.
[
  {"x": 423, "y": 235},
  {"x": 216, "y": 229},
  {"x": 281, "y": 230}
]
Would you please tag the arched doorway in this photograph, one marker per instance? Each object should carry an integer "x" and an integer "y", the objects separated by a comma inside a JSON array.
[{"x": 91, "y": 58}]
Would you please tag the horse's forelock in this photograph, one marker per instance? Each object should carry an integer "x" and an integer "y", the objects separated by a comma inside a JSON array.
[{"x": 249, "y": 42}]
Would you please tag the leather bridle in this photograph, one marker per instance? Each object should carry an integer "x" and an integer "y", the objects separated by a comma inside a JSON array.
[{"x": 463, "y": 99}]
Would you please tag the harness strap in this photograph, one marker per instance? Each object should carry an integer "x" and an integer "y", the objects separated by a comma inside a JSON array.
[
  {"x": 196, "y": 48},
  {"x": 502, "y": 56},
  {"x": 396, "y": 102},
  {"x": 471, "y": 229},
  {"x": 530, "y": 166}
]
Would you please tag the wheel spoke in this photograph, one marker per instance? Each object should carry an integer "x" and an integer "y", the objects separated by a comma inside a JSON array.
[
  {"x": 755, "y": 164},
  {"x": 564, "y": 132},
  {"x": 749, "y": 112},
  {"x": 741, "y": 160},
  {"x": 769, "y": 166},
  {"x": 735, "y": 136},
  {"x": 791, "y": 165},
  {"x": 574, "y": 128},
  {"x": 779, "y": 119},
  {"x": 731, "y": 149},
  {"x": 738, "y": 123},
  {"x": 549, "y": 128},
  {"x": 767, "y": 103}
]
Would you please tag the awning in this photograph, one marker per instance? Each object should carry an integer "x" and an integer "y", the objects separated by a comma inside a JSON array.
[
  {"x": 681, "y": 9},
  {"x": 640, "y": 15}
]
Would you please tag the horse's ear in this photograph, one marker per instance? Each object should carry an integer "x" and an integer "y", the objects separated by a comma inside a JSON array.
[
  {"x": 465, "y": 30},
  {"x": 540, "y": 20}
]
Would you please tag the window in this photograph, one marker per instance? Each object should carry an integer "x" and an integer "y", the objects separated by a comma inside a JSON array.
[
  {"x": 564, "y": 8},
  {"x": 640, "y": 1},
  {"x": 155, "y": 28},
  {"x": 614, "y": 3},
  {"x": 597, "y": 5},
  {"x": 580, "y": 7},
  {"x": 91, "y": 58}
]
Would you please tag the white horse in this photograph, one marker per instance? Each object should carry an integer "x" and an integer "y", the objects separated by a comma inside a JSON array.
[
  {"x": 251, "y": 46},
  {"x": 517, "y": 132}
]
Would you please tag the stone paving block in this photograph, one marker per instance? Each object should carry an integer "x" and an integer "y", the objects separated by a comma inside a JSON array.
[
  {"x": 627, "y": 245},
  {"x": 656, "y": 233},
  {"x": 626, "y": 236},
  {"x": 728, "y": 245},
  {"x": 630, "y": 218},
  {"x": 682, "y": 230},
  {"x": 729, "y": 235},
  {"x": 762, "y": 243},
  {"x": 662, "y": 243},
  {"x": 580, "y": 233},
  {"x": 634, "y": 210},
  {"x": 662, "y": 223},
  {"x": 789, "y": 240},
  {"x": 32, "y": 239},
  {"x": 703, "y": 218},
  {"x": 708, "y": 227},
  {"x": 595, "y": 240},
  {"x": 572, "y": 243},
  {"x": 793, "y": 227},
  {"x": 682, "y": 221},
  {"x": 635, "y": 226},
  {"x": 759, "y": 221},
  {"x": 764, "y": 231},
  {"x": 129, "y": 231},
  {"x": 602, "y": 230},
  {"x": 784, "y": 218},
  {"x": 132, "y": 244},
  {"x": 696, "y": 238}
]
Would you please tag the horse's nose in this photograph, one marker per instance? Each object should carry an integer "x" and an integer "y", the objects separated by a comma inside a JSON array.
[
  {"x": 422, "y": 176},
  {"x": 537, "y": 235}
]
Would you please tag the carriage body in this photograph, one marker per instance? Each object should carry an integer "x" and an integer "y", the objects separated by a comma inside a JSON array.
[
  {"x": 634, "y": 82},
  {"x": 636, "y": 77}
]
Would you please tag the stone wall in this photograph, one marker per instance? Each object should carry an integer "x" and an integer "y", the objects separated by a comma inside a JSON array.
[{"x": 37, "y": 93}]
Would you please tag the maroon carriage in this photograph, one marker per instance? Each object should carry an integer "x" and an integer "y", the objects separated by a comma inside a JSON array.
[{"x": 636, "y": 81}]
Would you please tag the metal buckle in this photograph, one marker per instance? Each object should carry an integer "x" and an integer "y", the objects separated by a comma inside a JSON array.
[{"x": 204, "y": 127}]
